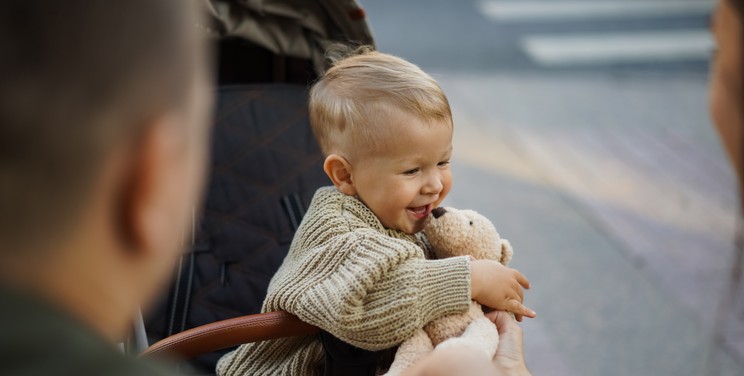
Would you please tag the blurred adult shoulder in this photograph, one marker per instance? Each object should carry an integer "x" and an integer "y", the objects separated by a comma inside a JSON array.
[{"x": 39, "y": 339}]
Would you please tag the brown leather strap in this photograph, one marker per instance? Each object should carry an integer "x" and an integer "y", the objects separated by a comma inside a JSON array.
[{"x": 228, "y": 333}]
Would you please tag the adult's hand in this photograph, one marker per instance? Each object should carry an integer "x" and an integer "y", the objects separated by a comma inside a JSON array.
[
  {"x": 509, "y": 358},
  {"x": 508, "y": 361},
  {"x": 453, "y": 361}
]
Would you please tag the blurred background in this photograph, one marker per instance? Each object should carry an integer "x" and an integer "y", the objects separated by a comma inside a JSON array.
[{"x": 582, "y": 131}]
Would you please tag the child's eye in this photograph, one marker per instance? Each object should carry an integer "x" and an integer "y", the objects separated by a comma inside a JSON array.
[
  {"x": 443, "y": 163},
  {"x": 411, "y": 171}
]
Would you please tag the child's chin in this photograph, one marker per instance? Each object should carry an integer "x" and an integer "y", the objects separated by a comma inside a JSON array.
[{"x": 417, "y": 227}]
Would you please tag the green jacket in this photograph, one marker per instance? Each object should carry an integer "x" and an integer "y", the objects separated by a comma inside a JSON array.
[
  {"x": 297, "y": 28},
  {"x": 38, "y": 339}
]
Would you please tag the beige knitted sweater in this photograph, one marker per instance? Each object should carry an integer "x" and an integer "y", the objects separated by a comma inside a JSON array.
[{"x": 365, "y": 284}]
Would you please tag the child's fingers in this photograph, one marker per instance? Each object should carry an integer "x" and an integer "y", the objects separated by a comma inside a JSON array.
[
  {"x": 522, "y": 279},
  {"x": 518, "y": 308},
  {"x": 516, "y": 292},
  {"x": 518, "y": 317}
]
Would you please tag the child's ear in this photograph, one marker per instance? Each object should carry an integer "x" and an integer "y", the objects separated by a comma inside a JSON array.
[{"x": 339, "y": 170}]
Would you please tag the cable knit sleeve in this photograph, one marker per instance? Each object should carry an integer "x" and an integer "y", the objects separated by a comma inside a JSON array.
[{"x": 373, "y": 291}]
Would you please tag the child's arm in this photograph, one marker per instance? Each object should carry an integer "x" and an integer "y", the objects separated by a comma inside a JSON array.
[
  {"x": 496, "y": 286},
  {"x": 378, "y": 293}
]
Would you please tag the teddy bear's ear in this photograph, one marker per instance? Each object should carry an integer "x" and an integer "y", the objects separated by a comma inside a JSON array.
[{"x": 506, "y": 252}]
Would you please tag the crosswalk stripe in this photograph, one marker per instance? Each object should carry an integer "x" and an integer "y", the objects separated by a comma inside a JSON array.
[
  {"x": 618, "y": 47},
  {"x": 518, "y": 10}
]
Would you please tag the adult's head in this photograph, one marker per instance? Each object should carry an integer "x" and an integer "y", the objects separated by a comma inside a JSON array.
[
  {"x": 103, "y": 108},
  {"x": 727, "y": 81}
]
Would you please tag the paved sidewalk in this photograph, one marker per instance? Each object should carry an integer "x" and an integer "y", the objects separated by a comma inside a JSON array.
[{"x": 620, "y": 204}]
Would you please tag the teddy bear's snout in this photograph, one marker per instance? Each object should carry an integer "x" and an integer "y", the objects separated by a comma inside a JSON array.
[{"x": 438, "y": 212}]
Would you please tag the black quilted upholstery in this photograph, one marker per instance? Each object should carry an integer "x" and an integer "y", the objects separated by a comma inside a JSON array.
[{"x": 265, "y": 167}]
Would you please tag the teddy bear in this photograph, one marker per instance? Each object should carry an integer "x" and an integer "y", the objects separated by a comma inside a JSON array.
[{"x": 452, "y": 232}]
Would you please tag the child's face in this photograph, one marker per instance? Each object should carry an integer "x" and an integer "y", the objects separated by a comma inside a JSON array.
[{"x": 409, "y": 176}]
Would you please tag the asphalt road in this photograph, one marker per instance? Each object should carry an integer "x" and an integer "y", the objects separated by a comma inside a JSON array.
[
  {"x": 582, "y": 132},
  {"x": 457, "y": 35}
]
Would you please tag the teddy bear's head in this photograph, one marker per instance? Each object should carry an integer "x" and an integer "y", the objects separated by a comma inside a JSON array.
[{"x": 454, "y": 232}]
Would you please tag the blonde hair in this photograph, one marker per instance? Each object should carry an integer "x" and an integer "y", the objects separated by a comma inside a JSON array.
[{"x": 357, "y": 93}]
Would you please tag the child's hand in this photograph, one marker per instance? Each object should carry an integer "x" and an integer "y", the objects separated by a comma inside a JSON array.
[{"x": 496, "y": 286}]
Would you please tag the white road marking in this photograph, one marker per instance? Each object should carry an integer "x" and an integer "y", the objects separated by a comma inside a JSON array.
[
  {"x": 603, "y": 48},
  {"x": 517, "y": 10}
]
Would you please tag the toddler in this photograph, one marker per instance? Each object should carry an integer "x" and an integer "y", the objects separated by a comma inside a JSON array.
[{"x": 356, "y": 267}]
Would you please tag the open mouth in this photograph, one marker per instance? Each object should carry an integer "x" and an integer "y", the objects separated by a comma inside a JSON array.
[{"x": 420, "y": 211}]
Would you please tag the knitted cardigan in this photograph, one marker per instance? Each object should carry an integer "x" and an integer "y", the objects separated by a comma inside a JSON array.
[{"x": 347, "y": 274}]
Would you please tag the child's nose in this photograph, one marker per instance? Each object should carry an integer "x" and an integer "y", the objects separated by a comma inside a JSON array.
[{"x": 433, "y": 185}]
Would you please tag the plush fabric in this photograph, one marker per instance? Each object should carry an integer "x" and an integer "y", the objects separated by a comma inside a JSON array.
[{"x": 454, "y": 233}]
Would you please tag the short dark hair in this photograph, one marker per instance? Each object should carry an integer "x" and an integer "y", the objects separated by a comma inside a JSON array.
[
  {"x": 739, "y": 6},
  {"x": 77, "y": 76}
]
